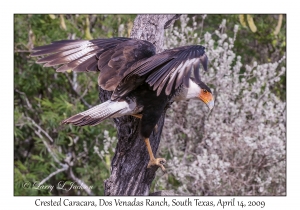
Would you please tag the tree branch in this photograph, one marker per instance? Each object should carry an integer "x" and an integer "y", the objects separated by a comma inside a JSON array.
[
  {"x": 26, "y": 98},
  {"x": 81, "y": 183},
  {"x": 64, "y": 168},
  {"x": 129, "y": 172},
  {"x": 48, "y": 147},
  {"x": 76, "y": 93}
]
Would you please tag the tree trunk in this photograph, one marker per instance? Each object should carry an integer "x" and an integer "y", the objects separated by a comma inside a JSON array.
[{"x": 129, "y": 172}]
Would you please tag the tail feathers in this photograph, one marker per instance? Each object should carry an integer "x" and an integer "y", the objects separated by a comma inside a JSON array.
[{"x": 98, "y": 113}]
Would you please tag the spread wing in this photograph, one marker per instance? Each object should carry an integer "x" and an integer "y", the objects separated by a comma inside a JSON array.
[
  {"x": 168, "y": 70},
  {"x": 112, "y": 57}
]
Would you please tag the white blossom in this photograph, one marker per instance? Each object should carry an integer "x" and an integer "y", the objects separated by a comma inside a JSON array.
[{"x": 241, "y": 144}]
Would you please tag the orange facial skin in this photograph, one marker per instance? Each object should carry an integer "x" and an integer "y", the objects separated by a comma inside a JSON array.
[{"x": 205, "y": 96}]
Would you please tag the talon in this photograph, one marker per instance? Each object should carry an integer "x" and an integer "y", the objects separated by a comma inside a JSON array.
[{"x": 157, "y": 162}]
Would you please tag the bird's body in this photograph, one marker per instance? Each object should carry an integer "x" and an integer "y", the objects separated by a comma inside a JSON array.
[{"x": 143, "y": 83}]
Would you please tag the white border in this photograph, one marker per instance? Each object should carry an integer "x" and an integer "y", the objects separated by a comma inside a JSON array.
[{"x": 153, "y": 6}]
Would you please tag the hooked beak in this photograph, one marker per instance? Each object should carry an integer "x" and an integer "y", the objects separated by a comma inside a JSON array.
[
  {"x": 211, "y": 104},
  {"x": 208, "y": 99}
]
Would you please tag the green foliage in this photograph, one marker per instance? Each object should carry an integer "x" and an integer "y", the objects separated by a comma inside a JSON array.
[
  {"x": 252, "y": 43},
  {"x": 43, "y": 98}
]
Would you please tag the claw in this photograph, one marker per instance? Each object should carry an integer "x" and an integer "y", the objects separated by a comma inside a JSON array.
[{"x": 157, "y": 162}]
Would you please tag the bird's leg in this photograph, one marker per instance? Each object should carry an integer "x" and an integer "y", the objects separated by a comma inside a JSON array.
[
  {"x": 154, "y": 161},
  {"x": 140, "y": 116}
]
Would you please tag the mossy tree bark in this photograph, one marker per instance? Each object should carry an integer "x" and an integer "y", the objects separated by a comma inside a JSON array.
[{"x": 129, "y": 172}]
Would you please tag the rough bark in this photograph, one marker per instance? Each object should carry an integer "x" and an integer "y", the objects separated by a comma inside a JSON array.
[{"x": 129, "y": 172}]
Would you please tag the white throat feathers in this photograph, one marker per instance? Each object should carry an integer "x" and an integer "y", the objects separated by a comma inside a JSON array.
[
  {"x": 188, "y": 93},
  {"x": 193, "y": 91}
]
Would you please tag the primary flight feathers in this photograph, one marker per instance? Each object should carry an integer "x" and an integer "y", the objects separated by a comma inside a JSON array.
[{"x": 123, "y": 59}]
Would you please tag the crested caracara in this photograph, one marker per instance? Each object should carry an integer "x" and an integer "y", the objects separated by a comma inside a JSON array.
[{"x": 143, "y": 82}]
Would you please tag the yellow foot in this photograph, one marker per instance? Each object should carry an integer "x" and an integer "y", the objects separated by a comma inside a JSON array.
[{"x": 157, "y": 162}]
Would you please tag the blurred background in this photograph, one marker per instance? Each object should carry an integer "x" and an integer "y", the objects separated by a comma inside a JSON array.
[{"x": 239, "y": 149}]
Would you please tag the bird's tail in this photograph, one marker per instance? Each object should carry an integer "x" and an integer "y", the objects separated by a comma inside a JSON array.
[{"x": 97, "y": 114}]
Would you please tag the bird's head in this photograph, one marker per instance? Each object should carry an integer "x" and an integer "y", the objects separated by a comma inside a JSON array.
[
  {"x": 200, "y": 91},
  {"x": 206, "y": 95}
]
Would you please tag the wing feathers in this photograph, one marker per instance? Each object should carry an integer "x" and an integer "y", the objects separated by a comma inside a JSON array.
[
  {"x": 87, "y": 65},
  {"x": 58, "y": 47},
  {"x": 179, "y": 68},
  {"x": 122, "y": 59},
  {"x": 71, "y": 57},
  {"x": 169, "y": 67},
  {"x": 98, "y": 113},
  {"x": 75, "y": 63},
  {"x": 204, "y": 61},
  {"x": 68, "y": 51}
]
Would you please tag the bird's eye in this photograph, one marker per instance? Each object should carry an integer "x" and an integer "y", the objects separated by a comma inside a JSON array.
[{"x": 205, "y": 91}]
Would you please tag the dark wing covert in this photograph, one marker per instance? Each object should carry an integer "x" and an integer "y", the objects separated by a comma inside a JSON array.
[
  {"x": 168, "y": 69},
  {"x": 112, "y": 57}
]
